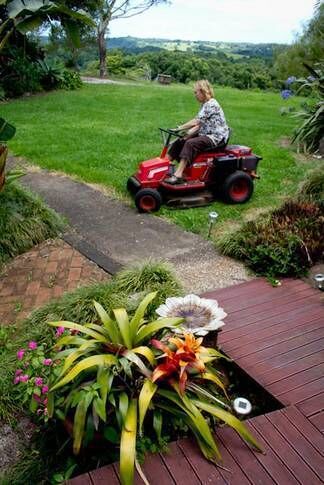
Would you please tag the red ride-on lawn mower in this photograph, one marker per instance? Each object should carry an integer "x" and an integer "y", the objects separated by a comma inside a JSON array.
[{"x": 227, "y": 171}]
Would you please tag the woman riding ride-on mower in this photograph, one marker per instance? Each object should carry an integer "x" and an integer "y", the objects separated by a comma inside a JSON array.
[
  {"x": 208, "y": 167},
  {"x": 206, "y": 131}
]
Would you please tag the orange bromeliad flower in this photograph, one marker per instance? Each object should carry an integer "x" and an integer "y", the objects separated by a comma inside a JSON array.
[{"x": 178, "y": 362}]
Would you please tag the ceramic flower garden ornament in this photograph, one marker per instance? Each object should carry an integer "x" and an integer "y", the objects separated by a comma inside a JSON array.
[{"x": 200, "y": 315}]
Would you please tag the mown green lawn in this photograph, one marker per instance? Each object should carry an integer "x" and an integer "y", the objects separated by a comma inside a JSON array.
[{"x": 101, "y": 132}]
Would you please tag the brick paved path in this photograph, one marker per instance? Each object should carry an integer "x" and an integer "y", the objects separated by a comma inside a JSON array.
[{"x": 43, "y": 273}]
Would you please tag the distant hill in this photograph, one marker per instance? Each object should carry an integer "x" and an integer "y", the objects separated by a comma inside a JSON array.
[{"x": 234, "y": 49}]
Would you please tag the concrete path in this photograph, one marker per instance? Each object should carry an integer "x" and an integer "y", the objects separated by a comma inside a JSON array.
[{"x": 114, "y": 234}]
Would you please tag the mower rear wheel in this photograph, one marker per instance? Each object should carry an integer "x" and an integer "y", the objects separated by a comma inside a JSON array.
[
  {"x": 238, "y": 188},
  {"x": 148, "y": 200}
]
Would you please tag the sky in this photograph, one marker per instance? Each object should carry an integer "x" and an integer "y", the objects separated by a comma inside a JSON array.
[{"x": 253, "y": 21}]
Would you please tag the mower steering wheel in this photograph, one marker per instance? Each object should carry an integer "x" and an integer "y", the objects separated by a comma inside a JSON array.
[{"x": 170, "y": 131}]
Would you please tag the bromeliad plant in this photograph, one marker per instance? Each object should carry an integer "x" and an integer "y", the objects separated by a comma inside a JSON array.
[{"x": 127, "y": 372}]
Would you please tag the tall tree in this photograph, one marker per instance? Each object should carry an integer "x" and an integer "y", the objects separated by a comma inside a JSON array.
[{"x": 116, "y": 9}]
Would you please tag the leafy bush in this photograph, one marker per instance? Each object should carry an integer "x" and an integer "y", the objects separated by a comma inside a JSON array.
[
  {"x": 20, "y": 75},
  {"x": 312, "y": 188},
  {"x": 52, "y": 73},
  {"x": 71, "y": 80},
  {"x": 24, "y": 221},
  {"x": 311, "y": 130},
  {"x": 286, "y": 242}
]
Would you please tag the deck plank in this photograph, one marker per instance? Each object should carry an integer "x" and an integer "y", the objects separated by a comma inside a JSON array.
[
  {"x": 208, "y": 472},
  {"x": 104, "y": 475},
  {"x": 303, "y": 447},
  {"x": 277, "y": 339},
  {"x": 244, "y": 457},
  {"x": 271, "y": 327},
  {"x": 285, "y": 451},
  {"x": 306, "y": 428},
  {"x": 288, "y": 384},
  {"x": 305, "y": 392},
  {"x": 292, "y": 369},
  {"x": 312, "y": 405},
  {"x": 179, "y": 467},
  {"x": 236, "y": 326},
  {"x": 318, "y": 421}
]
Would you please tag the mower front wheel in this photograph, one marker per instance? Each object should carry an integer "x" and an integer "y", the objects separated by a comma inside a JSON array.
[
  {"x": 238, "y": 188},
  {"x": 148, "y": 200}
]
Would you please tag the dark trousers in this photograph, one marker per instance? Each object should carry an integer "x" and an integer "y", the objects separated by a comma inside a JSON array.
[{"x": 190, "y": 148}]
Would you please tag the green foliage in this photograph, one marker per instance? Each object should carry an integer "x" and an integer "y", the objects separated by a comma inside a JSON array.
[
  {"x": 70, "y": 80},
  {"x": 24, "y": 221},
  {"x": 312, "y": 188},
  {"x": 52, "y": 74},
  {"x": 21, "y": 74},
  {"x": 285, "y": 242},
  {"x": 311, "y": 130}
]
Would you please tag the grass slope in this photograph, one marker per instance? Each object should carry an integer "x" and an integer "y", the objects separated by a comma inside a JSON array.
[{"x": 101, "y": 132}]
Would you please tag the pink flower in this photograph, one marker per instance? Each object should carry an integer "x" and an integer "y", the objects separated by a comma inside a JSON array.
[
  {"x": 32, "y": 345},
  {"x": 45, "y": 411},
  {"x": 18, "y": 372},
  {"x": 38, "y": 381},
  {"x": 47, "y": 362},
  {"x": 59, "y": 331},
  {"x": 37, "y": 398},
  {"x": 24, "y": 378},
  {"x": 45, "y": 401},
  {"x": 20, "y": 354},
  {"x": 44, "y": 389},
  {"x": 16, "y": 380}
]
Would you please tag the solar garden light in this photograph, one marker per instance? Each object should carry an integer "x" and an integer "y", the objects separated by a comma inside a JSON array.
[
  {"x": 212, "y": 216},
  {"x": 319, "y": 281},
  {"x": 242, "y": 405}
]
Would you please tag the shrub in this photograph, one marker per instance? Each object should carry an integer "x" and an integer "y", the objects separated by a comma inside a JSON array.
[
  {"x": 21, "y": 75},
  {"x": 311, "y": 130},
  {"x": 286, "y": 242},
  {"x": 71, "y": 80}
]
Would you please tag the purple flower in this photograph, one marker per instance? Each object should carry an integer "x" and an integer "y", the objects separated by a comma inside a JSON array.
[
  {"x": 20, "y": 354},
  {"x": 290, "y": 80},
  {"x": 286, "y": 93},
  {"x": 59, "y": 331},
  {"x": 16, "y": 380},
  {"x": 32, "y": 345},
  {"x": 38, "y": 381},
  {"x": 24, "y": 378},
  {"x": 47, "y": 362},
  {"x": 18, "y": 372},
  {"x": 44, "y": 389}
]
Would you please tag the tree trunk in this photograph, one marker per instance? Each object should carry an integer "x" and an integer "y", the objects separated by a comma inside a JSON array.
[{"x": 102, "y": 54}]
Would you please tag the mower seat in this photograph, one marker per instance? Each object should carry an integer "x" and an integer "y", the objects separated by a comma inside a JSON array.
[{"x": 221, "y": 146}]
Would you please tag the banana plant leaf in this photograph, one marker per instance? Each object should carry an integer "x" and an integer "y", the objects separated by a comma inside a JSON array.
[{"x": 7, "y": 131}]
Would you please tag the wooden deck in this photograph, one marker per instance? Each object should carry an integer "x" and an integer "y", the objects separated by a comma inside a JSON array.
[{"x": 277, "y": 336}]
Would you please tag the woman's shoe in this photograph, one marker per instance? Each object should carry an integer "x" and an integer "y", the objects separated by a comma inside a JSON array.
[{"x": 174, "y": 180}]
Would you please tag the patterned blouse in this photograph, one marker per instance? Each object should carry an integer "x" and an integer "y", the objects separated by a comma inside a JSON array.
[{"x": 212, "y": 121}]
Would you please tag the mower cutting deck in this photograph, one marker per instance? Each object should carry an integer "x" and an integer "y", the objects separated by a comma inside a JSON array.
[{"x": 226, "y": 172}]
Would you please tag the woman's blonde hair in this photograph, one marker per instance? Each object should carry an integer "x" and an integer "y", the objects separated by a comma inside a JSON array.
[{"x": 205, "y": 88}]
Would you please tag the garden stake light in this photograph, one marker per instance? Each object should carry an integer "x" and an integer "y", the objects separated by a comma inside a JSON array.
[
  {"x": 319, "y": 281},
  {"x": 212, "y": 216},
  {"x": 242, "y": 405}
]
